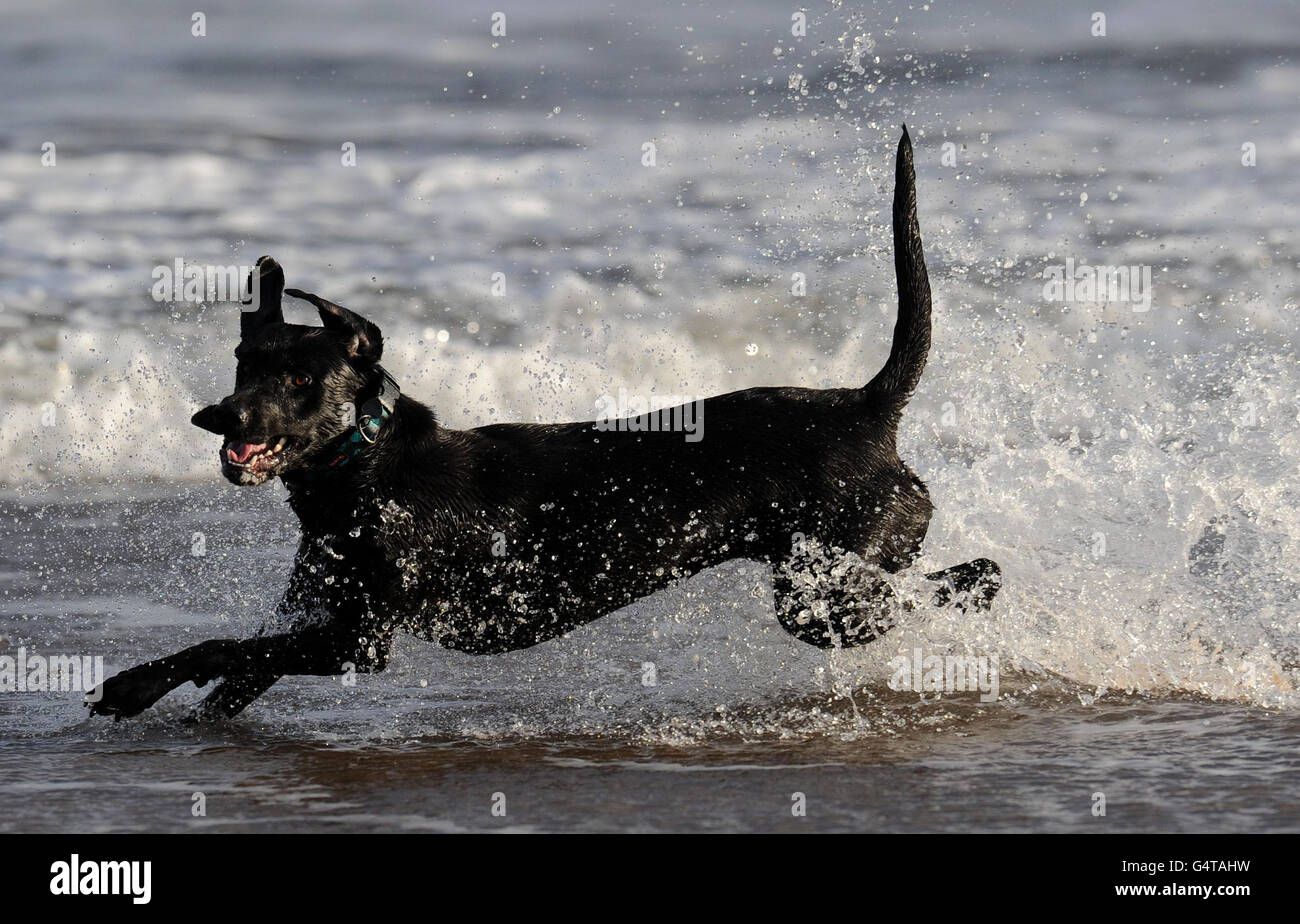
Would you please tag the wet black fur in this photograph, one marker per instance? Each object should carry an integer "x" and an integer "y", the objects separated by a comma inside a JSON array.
[{"x": 504, "y": 536}]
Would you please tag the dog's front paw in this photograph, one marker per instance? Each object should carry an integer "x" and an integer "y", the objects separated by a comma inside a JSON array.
[{"x": 134, "y": 690}]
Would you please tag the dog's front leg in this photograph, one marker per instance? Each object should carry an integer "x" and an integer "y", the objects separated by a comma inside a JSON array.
[
  {"x": 232, "y": 695},
  {"x": 306, "y": 652},
  {"x": 136, "y": 689},
  {"x": 248, "y": 665}
]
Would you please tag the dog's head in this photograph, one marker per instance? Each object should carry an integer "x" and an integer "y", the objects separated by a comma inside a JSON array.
[{"x": 295, "y": 386}]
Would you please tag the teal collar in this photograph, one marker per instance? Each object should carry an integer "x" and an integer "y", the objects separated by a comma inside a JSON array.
[{"x": 375, "y": 414}]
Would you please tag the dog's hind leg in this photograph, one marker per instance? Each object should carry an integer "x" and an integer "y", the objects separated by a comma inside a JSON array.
[
  {"x": 832, "y": 601},
  {"x": 842, "y": 601}
]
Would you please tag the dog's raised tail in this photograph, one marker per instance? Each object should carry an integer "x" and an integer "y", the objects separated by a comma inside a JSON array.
[{"x": 896, "y": 381}]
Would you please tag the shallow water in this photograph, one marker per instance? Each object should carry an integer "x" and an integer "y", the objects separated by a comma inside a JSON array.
[
  {"x": 1166, "y": 767},
  {"x": 741, "y": 717},
  {"x": 1132, "y": 471}
]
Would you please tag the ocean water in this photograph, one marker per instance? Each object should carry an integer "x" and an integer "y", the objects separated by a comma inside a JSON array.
[{"x": 1133, "y": 471}]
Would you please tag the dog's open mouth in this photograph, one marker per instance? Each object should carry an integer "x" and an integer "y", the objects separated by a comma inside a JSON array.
[{"x": 255, "y": 458}]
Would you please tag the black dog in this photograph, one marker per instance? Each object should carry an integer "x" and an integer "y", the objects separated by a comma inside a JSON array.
[{"x": 502, "y": 537}]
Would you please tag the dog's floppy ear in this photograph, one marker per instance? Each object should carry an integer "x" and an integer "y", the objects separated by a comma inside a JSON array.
[
  {"x": 265, "y": 283},
  {"x": 362, "y": 338}
]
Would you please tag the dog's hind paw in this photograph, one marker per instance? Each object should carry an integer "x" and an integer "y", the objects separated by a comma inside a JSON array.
[{"x": 968, "y": 586}]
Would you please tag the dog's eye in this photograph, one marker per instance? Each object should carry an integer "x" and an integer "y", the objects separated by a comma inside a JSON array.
[{"x": 302, "y": 379}]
